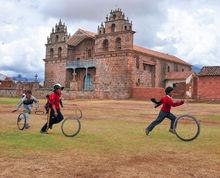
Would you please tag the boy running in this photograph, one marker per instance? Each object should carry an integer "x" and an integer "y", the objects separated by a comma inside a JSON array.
[
  {"x": 54, "y": 114},
  {"x": 167, "y": 102},
  {"x": 27, "y": 100}
]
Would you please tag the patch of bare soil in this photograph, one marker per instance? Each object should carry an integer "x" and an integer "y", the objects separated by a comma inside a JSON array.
[{"x": 78, "y": 164}]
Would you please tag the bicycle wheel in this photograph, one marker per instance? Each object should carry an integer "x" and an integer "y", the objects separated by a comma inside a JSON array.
[
  {"x": 187, "y": 128},
  {"x": 78, "y": 113},
  {"x": 21, "y": 121},
  {"x": 71, "y": 126}
]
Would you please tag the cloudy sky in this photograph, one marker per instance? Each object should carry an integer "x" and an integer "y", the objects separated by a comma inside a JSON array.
[{"x": 189, "y": 29}]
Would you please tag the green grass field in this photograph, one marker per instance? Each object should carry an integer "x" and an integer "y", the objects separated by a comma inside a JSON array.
[{"x": 111, "y": 143}]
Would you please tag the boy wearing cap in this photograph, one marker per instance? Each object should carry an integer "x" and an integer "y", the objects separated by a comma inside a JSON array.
[
  {"x": 167, "y": 102},
  {"x": 27, "y": 101},
  {"x": 54, "y": 114}
]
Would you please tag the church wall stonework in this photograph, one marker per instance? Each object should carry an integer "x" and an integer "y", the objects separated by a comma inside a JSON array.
[
  {"x": 55, "y": 72},
  {"x": 110, "y": 56},
  {"x": 112, "y": 77}
]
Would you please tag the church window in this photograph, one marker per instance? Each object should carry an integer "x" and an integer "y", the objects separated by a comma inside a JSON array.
[
  {"x": 125, "y": 27},
  {"x": 105, "y": 45},
  {"x": 57, "y": 37},
  {"x": 51, "y": 53},
  {"x": 89, "y": 53},
  {"x": 145, "y": 66},
  {"x": 59, "y": 52},
  {"x": 118, "y": 43},
  {"x": 113, "y": 27},
  {"x": 168, "y": 69},
  {"x": 138, "y": 82},
  {"x": 137, "y": 62},
  {"x": 176, "y": 67}
]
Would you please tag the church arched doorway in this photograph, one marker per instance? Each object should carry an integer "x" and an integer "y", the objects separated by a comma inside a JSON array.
[{"x": 87, "y": 82}]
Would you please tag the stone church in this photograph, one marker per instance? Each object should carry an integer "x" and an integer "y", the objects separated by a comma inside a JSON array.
[{"x": 105, "y": 64}]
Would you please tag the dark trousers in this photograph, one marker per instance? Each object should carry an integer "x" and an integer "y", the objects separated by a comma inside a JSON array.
[
  {"x": 52, "y": 120},
  {"x": 162, "y": 115}
]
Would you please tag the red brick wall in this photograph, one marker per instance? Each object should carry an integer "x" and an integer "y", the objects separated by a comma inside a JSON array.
[
  {"x": 7, "y": 84},
  {"x": 195, "y": 87},
  {"x": 209, "y": 87},
  {"x": 147, "y": 93},
  {"x": 180, "y": 90}
]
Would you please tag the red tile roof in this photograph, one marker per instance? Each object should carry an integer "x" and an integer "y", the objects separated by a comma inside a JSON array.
[
  {"x": 178, "y": 75},
  {"x": 210, "y": 71},
  {"x": 79, "y": 36},
  {"x": 159, "y": 55}
]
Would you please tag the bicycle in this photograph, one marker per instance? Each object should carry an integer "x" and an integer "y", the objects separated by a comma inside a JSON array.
[{"x": 71, "y": 125}]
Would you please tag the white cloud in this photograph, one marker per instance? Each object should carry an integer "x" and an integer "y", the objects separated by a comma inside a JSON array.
[
  {"x": 188, "y": 29},
  {"x": 194, "y": 35},
  {"x": 22, "y": 38}
]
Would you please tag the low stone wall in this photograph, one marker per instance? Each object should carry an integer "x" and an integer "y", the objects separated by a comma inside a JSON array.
[
  {"x": 67, "y": 94},
  {"x": 8, "y": 93},
  {"x": 136, "y": 93},
  {"x": 144, "y": 93},
  {"x": 41, "y": 92}
]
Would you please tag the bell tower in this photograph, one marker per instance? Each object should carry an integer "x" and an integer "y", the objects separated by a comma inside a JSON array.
[
  {"x": 113, "y": 51},
  {"x": 115, "y": 34},
  {"x": 56, "y": 55},
  {"x": 56, "y": 43}
]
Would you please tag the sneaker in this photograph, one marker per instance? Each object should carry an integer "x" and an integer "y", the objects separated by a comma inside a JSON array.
[
  {"x": 27, "y": 126},
  {"x": 172, "y": 131},
  {"x": 147, "y": 132}
]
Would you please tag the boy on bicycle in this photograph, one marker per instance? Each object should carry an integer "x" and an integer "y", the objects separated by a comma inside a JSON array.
[
  {"x": 167, "y": 102},
  {"x": 54, "y": 113},
  {"x": 27, "y": 101}
]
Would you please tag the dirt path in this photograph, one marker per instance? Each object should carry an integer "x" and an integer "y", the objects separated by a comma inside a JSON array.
[{"x": 78, "y": 164}]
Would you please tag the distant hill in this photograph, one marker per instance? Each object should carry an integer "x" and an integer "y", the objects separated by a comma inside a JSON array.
[
  {"x": 196, "y": 68},
  {"x": 19, "y": 77},
  {"x": 2, "y": 76}
]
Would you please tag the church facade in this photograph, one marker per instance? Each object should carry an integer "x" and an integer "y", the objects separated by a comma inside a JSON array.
[{"x": 105, "y": 64}]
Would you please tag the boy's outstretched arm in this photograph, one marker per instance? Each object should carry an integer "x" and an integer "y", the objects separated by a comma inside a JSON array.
[
  {"x": 178, "y": 103},
  {"x": 19, "y": 104}
]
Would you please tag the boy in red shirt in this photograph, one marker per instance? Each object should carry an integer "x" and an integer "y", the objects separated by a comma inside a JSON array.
[
  {"x": 54, "y": 114},
  {"x": 167, "y": 102}
]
